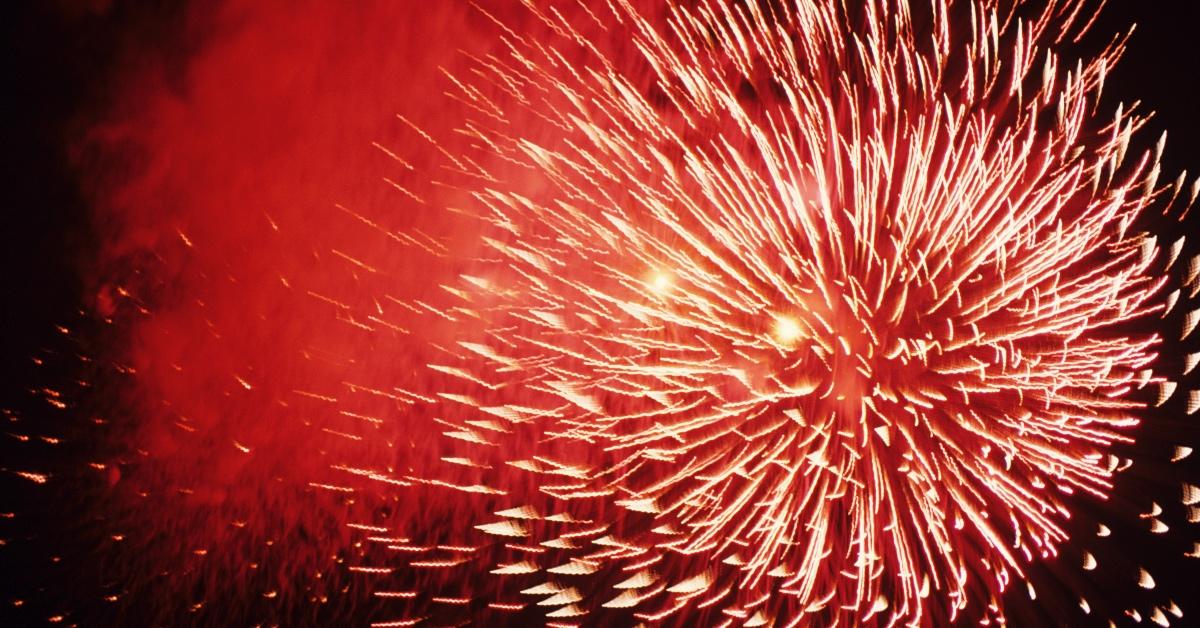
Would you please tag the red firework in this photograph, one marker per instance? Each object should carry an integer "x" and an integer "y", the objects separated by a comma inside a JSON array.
[
  {"x": 812, "y": 323},
  {"x": 724, "y": 313}
]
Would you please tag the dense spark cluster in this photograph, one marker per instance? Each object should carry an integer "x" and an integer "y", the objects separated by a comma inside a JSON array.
[{"x": 826, "y": 324}]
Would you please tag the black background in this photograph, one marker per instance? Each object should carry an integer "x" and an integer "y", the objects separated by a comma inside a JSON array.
[{"x": 61, "y": 61}]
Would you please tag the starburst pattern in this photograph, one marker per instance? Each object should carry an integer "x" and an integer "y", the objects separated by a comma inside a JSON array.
[
  {"x": 826, "y": 324},
  {"x": 705, "y": 312}
]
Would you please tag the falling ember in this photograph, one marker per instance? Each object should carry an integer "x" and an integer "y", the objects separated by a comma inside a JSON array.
[{"x": 708, "y": 312}]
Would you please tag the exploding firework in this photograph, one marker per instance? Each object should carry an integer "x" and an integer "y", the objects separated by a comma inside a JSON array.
[
  {"x": 746, "y": 312},
  {"x": 826, "y": 325}
]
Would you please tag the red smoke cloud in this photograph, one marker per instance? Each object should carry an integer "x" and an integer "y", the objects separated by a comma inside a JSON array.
[{"x": 225, "y": 254}]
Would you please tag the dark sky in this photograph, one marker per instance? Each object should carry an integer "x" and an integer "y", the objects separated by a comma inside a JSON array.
[{"x": 60, "y": 60}]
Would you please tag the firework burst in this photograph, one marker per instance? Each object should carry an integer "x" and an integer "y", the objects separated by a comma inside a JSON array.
[
  {"x": 707, "y": 312},
  {"x": 823, "y": 321}
]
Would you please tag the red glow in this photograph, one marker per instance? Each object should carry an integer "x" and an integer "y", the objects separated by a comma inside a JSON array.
[
  {"x": 633, "y": 389},
  {"x": 228, "y": 257}
]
